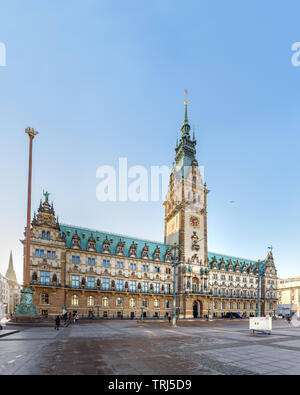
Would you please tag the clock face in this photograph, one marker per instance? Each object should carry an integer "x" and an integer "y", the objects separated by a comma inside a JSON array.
[{"x": 194, "y": 221}]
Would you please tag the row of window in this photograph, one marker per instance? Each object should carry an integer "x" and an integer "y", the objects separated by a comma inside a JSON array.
[
  {"x": 118, "y": 302},
  {"x": 119, "y": 265},
  {"x": 120, "y": 285},
  {"x": 45, "y": 235},
  {"x": 232, "y": 292},
  {"x": 41, "y": 254},
  {"x": 230, "y": 278},
  {"x": 238, "y": 306},
  {"x": 45, "y": 299}
]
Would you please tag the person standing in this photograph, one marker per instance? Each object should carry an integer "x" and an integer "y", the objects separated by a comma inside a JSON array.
[{"x": 57, "y": 323}]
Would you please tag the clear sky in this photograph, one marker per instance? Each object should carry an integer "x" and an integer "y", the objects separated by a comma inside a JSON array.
[{"x": 103, "y": 79}]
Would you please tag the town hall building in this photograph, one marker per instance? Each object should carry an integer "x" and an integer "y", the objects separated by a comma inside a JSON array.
[{"x": 76, "y": 269}]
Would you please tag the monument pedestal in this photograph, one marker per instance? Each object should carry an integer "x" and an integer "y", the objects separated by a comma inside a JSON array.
[{"x": 26, "y": 311}]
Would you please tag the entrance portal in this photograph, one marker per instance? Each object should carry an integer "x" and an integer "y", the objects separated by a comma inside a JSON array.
[{"x": 197, "y": 309}]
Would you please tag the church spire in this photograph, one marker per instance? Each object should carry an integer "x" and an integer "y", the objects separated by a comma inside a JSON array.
[{"x": 11, "y": 274}]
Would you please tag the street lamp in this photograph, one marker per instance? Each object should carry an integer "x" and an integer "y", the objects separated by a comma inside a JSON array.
[
  {"x": 175, "y": 251},
  {"x": 258, "y": 291},
  {"x": 98, "y": 315},
  {"x": 142, "y": 311}
]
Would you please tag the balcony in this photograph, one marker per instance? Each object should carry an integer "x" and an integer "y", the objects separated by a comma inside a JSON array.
[
  {"x": 50, "y": 284},
  {"x": 200, "y": 292},
  {"x": 86, "y": 288},
  {"x": 235, "y": 297}
]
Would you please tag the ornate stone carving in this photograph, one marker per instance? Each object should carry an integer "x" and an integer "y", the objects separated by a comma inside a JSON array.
[{"x": 195, "y": 239}]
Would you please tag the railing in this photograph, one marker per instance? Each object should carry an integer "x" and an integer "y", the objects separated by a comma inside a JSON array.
[
  {"x": 46, "y": 284},
  {"x": 200, "y": 292},
  {"x": 150, "y": 292},
  {"x": 234, "y": 297}
]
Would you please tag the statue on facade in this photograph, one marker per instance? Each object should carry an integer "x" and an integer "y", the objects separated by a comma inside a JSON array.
[
  {"x": 195, "y": 239},
  {"x": 46, "y": 195}
]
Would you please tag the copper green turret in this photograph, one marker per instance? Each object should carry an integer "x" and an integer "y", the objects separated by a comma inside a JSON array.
[{"x": 185, "y": 151}]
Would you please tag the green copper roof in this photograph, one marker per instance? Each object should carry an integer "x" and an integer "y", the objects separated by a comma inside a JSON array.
[
  {"x": 185, "y": 151},
  {"x": 236, "y": 260},
  {"x": 226, "y": 258},
  {"x": 100, "y": 236},
  {"x": 185, "y": 122}
]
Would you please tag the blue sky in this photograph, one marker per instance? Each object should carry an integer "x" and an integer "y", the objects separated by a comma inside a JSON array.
[{"x": 104, "y": 79}]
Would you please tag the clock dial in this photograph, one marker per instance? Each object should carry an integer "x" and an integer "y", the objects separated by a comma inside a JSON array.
[{"x": 194, "y": 221}]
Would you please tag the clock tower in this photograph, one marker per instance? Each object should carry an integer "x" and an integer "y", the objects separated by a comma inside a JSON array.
[{"x": 185, "y": 215}]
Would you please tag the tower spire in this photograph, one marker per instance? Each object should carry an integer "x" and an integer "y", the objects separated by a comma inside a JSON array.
[
  {"x": 185, "y": 122},
  {"x": 185, "y": 151},
  {"x": 185, "y": 129},
  {"x": 10, "y": 273}
]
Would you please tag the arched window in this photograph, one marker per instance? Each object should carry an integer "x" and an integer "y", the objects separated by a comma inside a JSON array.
[
  {"x": 156, "y": 303},
  {"x": 75, "y": 300},
  {"x": 195, "y": 284},
  {"x": 132, "y": 302},
  {"x": 145, "y": 303},
  {"x": 45, "y": 298},
  {"x": 119, "y": 302},
  {"x": 105, "y": 302},
  {"x": 167, "y": 304},
  {"x": 90, "y": 301},
  {"x": 43, "y": 234}
]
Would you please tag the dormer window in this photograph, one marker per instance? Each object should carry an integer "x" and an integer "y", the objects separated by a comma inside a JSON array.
[
  {"x": 91, "y": 243},
  {"x": 145, "y": 252},
  {"x": 168, "y": 257},
  {"x": 75, "y": 240},
  {"x": 156, "y": 254},
  {"x": 120, "y": 248},
  {"x": 132, "y": 249},
  {"x": 106, "y": 246}
]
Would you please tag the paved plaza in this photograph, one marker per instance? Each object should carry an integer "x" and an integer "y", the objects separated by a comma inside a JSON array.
[{"x": 152, "y": 347}]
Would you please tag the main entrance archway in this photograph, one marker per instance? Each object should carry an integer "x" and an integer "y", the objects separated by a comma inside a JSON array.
[{"x": 197, "y": 309}]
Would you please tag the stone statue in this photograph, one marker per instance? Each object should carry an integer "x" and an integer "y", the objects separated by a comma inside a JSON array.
[{"x": 195, "y": 239}]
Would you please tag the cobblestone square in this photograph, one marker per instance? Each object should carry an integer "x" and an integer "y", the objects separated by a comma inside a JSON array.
[{"x": 151, "y": 347}]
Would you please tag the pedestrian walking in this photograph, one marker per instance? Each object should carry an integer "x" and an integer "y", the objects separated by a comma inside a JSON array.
[
  {"x": 68, "y": 321},
  {"x": 76, "y": 318},
  {"x": 57, "y": 322}
]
